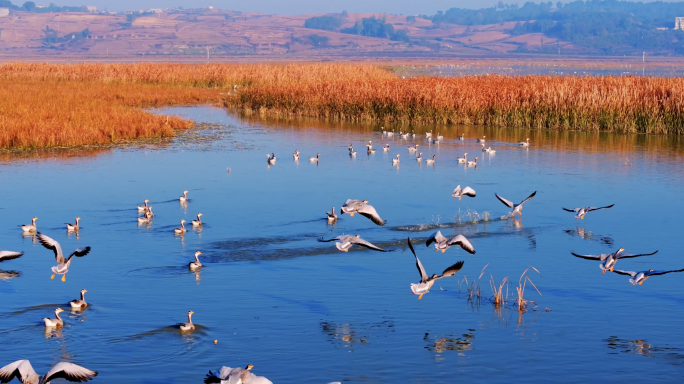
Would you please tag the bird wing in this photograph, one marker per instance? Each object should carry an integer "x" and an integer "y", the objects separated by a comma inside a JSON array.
[
  {"x": 254, "y": 379},
  {"x": 506, "y": 202},
  {"x": 629, "y": 255},
  {"x": 463, "y": 243},
  {"x": 436, "y": 237},
  {"x": 68, "y": 371},
  {"x": 370, "y": 212},
  {"x": 572, "y": 210},
  {"x": 451, "y": 270},
  {"x": 9, "y": 255},
  {"x": 592, "y": 257},
  {"x": 327, "y": 241},
  {"x": 528, "y": 198},
  {"x": 80, "y": 252},
  {"x": 20, "y": 369},
  {"x": 49, "y": 243},
  {"x": 596, "y": 209},
  {"x": 627, "y": 273},
  {"x": 421, "y": 270},
  {"x": 654, "y": 273},
  {"x": 364, "y": 243},
  {"x": 468, "y": 192}
]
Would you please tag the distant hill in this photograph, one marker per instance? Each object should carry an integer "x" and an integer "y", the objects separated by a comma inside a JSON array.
[{"x": 595, "y": 28}]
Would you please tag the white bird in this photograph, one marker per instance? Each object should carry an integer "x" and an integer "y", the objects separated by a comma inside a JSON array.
[
  {"x": 370, "y": 144},
  {"x": 473, "y": 163},
  {"x": 525, "y": 143},
  {"x": 405, "y": 136},
  {"x": 296, "y": 154},
  {"x": 198, "y": 222},
  {"x": 395, "y": 161},
  {"x": 491, "y": 151},
  {"x": 346, "y": 241},
  {"x": 385, "y": 148},
  {"x": 390, "y": 134},
  {"x": 462, "y": 137},
  {"x": 420, "y": 157},
  {"x": 195, "y": 265},
  {"x": 482, "y": 140},
  {"x": 370, "y": 151},
  {"x": 314, "y": 159},
  {"x": 580, "y": 212},
  {"x": 79, "y": 304},
  {"x": 189, "y": 326},
  {"x": 413, "y": 149},
  {"x": 30, "y": 227},
  {"x": 413, "y": 134},
  {"x": 362, "y": 208},
  {"x": 517, "y": 208},
  {"x": 271, "y": 159},
  {"x": 463, "y": 159},
  {"x": 430, "y": 161},
  {"x": 460, "y": 192},
  {"x": 10, "y": 255},
  {"x": 23, "y": 371},
  {"x": 427, "y": 282},
  {"x": 184, "y": 198},
  {"x": 143, "y": 208},
  {"x": 181, "y": 230},
  {"x": 332, "y": 216},
  {"x": 640, "y": 277},
  {"x": 483, "y": 148},
  {"x": 352, "y": 152},
  {"x": 57, "y": 321},
  {"x": 439, "y": 137},
  {"x": 73, "y": 227},
  {"x": 608, "y": 260},
  {"x": 428, "y": 134},
  {"x": 442, "y": 243},
  {"x": 228, "y": 375},
  {"x": 147, "y": 218},
  {"x": 63, "y": 264}
]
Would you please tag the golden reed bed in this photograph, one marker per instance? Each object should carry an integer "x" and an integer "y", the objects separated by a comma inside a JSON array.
[{"x": 58, "y": 105}]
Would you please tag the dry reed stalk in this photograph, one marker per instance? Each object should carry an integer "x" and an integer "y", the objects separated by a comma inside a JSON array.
[
  {"x": 497, "y": 291},
  {"x": 521, "y": 302}
]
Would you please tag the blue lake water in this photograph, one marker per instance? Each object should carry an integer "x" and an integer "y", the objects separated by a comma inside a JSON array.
[{"x": 301, "y": 311}]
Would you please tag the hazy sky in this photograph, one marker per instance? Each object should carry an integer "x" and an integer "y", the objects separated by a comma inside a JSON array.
[{"x": 406, "y": 7}]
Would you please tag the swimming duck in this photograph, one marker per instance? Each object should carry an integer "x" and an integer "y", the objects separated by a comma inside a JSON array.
[
  {"x": 147, "y": 218},
  {"x": 439, "y": 137},
  {"x": 79, "y": 304},
  {"x": 462, "y": 137},
  {"x": 428, "y": 134},
  {"x": 405, "y": 136},
  {"x": 463, "y": 159},
  {"x": 427, "y": 282},
  {"x": 390, "y": 134},
  {"x": 9, "y": 255},
  {"x": 413, "y": 134},
  {"x": 332, "y": 216},
  {"x": 640, "y": 277},
  {"x": 30, "y": 227},
  {"x": 198, "y": 222},
  {"x": 143, "y": 208},
  {"x": 525, "y": 143},
  {"x": 73, "y": 227},
  {"x": 580, "y": 212},
  {"x": 362, "y": 208},
  {"x": 491, "y": 151},
  {"x": 195, "y": 265},
  {"x": 296, "y": 154},
  {"x": 23, "y": 371},
  {"x": 228, "y": 375},
  {"x": 608, "y": 260},
  {"x": 473, "y": 163},
  {"x": 184, "y": 198},
  {"x": 385, "y": 148},
  {"x": 181, "y": 230},
  {"x": 346, "y": 242},
  {"x": 460, "y": 192},
  {"x": 413, "y": 149},
  {"x": 370, "y": 151},
  {"x": 517, "y": 208},
  {"x": 370, "y": 144},
  {"x": 63, "y": 264},
  {"x": 395, "y": 161},
  {"x": 420, "y": 157},
  {"x": 57, "y": 321},
  {"x": 314, "y": 159},
  {"x": 483, "y": 148},
  {"x": 189, "y": 326},
  {"x": 271, "y": 159},
  {"x": 352, "y": 152},
  {"x": 430, "y": 161},
  {"x": 442, "y": 243},
  {"x": 482, "y": 140}
]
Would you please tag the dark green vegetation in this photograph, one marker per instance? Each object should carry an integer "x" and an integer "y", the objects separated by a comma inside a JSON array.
[
  {"x": 30, "y": 6},
  {"x": 369, "y": 26},
  {"x": 605, "y": 27}
]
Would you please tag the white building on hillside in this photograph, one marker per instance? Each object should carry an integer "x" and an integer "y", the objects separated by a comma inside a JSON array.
[{"x": 4, "y": 12}]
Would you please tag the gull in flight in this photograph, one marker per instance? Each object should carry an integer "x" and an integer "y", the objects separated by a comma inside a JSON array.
[
  {"x": 608, "y": 260},
  {"x": 580, "y": 212},
  {"x": 62, "y": 263},
  {"x": 346, "y": 241},
  {"x": 427, "y": 282},
  {"x": 442, "y": 243},
  {"x": 23, "y": 371},
  {"x": 640, "y": 277},
  {"x": 460, "y": 192},
  {"x": 362, "y": 208},
  {"x": 517, "y": 208}
]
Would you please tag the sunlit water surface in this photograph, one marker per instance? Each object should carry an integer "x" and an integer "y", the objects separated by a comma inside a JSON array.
[{"x": 302, "y": 312}]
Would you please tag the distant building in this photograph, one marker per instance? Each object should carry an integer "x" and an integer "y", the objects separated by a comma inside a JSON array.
[
  {"x": 91, "y": 8},
  {"x": 4, "y": 12},
  {"x": 679, "y": 23},
  {"x": 662, "y": 28},
  {"x": 155, "y": 10}
]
